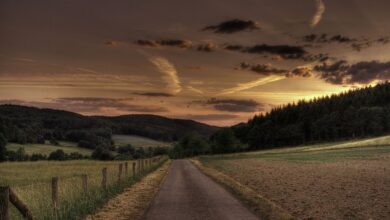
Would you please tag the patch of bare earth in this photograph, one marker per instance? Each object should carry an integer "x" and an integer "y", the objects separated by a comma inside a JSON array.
[
  {"x": 132, "y": 203},
  {"x": 349, "y": 189}
]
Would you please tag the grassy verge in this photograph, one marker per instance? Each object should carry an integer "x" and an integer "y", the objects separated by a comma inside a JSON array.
[
  {"x": 73, "y": 202},
  {"x": 263, "y": 207}
]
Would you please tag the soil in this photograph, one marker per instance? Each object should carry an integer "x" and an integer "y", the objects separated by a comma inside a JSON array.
[{"x": 348, "y": 189}]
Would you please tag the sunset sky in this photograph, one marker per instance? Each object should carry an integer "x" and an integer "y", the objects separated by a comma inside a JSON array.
[{"x": 218, "y": 62}]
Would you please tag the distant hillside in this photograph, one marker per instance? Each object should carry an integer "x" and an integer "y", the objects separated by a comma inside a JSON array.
[
  {"x": 156, "y": 127},
  {"x": 354, "y": 114},
  {"x": 22, "y": 124}
]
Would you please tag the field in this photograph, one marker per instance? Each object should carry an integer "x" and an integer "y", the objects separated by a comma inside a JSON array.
[
  {"x": 46, "y": 149},
  {"x": 31, "y": 181},
  {"x": 137, "y": 141},
  {"x": 345, "y": 180}
]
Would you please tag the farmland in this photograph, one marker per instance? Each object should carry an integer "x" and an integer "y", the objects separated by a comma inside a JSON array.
[
  {"x": 344, "y": 180},
  {"x": 138, "y": 141},
  {"x": 46, "y": 149},
  {"x": 31, "y": 181}
]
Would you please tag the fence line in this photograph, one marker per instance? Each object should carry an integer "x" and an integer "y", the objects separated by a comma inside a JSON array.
[{"x": 7, "y": 195}]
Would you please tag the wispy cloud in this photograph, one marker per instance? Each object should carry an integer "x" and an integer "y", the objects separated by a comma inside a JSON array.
[
  {"x": 320, "y": 9},
  {"x": 252, "y": 84},
  {"x": 193, "y": 89},
  {"x": 170, "y": 75}
]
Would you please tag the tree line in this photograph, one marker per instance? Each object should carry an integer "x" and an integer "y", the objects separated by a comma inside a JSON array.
[{"x": 358, "y": 113}]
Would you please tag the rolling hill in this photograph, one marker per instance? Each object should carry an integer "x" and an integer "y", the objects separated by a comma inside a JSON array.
[{"x": 22, "y": 125}]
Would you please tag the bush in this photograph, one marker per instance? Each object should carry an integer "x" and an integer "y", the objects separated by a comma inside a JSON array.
[{"x": 37, "y": 156}]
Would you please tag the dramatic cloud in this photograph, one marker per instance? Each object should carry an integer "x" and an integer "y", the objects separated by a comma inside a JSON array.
[
  {"x": 169, "y": 72},
  {"x": 359, "y": 73},
  {"x": 320, "y": 9},
  {"x": 357, "y": 44},
  {"x": 252, "y": 84},
  {"x": 153, "y": 94},
  {"x": 324, "y": 38},
  {"x": 269, "y": 70},
  {"x": 186, "y": 44},
  {"x": 207, "y": 47},
  {"x": 281, "y": 51},
  {"x": 90, "y": 105},
  {"x": 233, "y": 105},
  {"x": 263, "y": 69},
  {"x": 285, "y": 51},
  {"x": 232, "y": 26}
]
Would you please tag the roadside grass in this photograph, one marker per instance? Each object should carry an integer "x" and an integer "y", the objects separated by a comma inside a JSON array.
[
  {"x": 137, "y": 141},
  {"x": 31, "y": 181},
  {"x": 46, "y": 149}
]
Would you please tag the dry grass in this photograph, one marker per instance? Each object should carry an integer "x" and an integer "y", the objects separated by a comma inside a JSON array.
[{"x": 132, "y": 203}]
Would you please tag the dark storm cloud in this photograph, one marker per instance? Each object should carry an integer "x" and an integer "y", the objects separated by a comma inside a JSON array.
[
  {"x": 232, "y": 26},
  {"x": 87, "y": 105},
  {"x": 267, "y": 70},
  {"x": 362, "y": 72},
  {"x": 170, "y": 42},
  {"x": 232, "y": 105},
  {"x": 153, "y": 94}
]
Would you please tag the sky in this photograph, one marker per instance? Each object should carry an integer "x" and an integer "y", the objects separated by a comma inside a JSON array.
[{"x": 218, "y": 62}]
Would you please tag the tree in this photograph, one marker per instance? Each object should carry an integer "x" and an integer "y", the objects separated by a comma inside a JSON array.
[
  {"x": 189, "y": 146},
  {"x": 224, "y": 141},
  {"x": 57, "y": 155},
  {"x": 3, "y": 150},
  {"x": 101, "y": 153},
  {"x": 21, "y": 154}
]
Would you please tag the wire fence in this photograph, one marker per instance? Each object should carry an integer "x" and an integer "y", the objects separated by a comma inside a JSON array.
[{"x": 72, "y": 197}]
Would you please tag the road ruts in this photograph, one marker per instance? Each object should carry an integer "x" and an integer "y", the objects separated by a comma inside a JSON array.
[{"x": 188, "y": 194}]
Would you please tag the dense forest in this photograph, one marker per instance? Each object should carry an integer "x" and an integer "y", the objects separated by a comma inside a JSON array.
[
  {"x": 20, "y": 124},
  {"x": 354, "y": 114}
]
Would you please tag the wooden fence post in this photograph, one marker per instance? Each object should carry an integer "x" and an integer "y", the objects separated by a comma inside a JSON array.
[
  {"x": 4, "y": 203},
  {"x": 84, "y": 182},
  {"x": 19, "y": 205},
  {"x": 54, "y": 194},
  {"x": 126, "y": 170},
  {"x": 134, "y": 174},
  {"x": 120, "y": 172},
  {"x": 104, "y": 177}
]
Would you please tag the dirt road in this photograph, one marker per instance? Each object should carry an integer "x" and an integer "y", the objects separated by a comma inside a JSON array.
[{"x": 188, "y": 194}]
